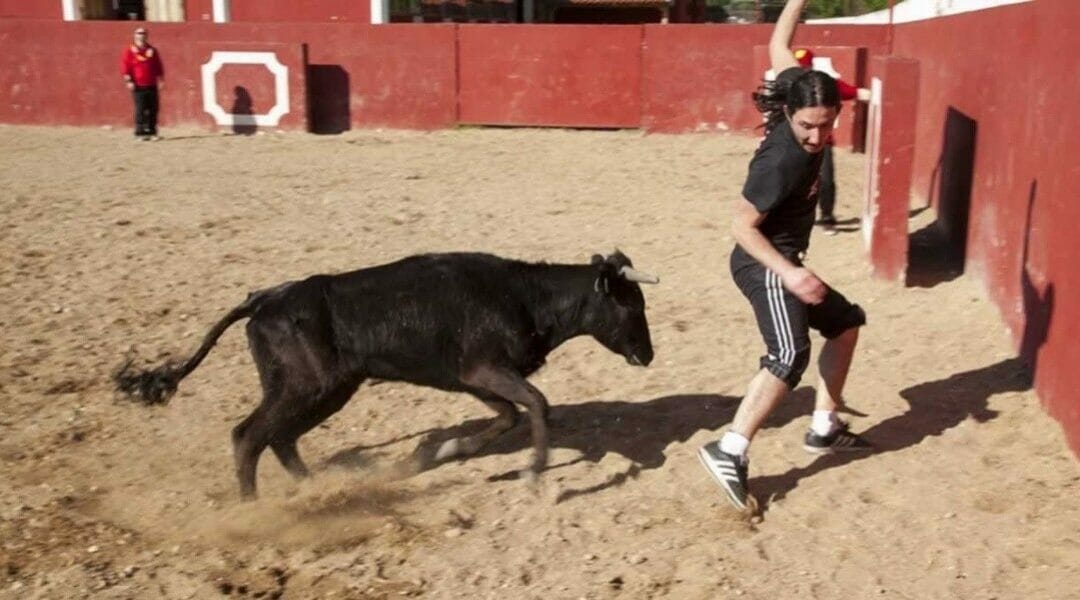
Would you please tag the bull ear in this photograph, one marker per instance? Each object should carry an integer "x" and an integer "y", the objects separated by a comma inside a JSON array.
[
  {"x": 604, "y": 274},
  {"x": 620, "y": 259},
  {"x": 601, "y": 286}
]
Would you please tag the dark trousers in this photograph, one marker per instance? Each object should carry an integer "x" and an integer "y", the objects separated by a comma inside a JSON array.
[
  {"x": 146, "y": 109},
  {"x": 827, "y": 184}
]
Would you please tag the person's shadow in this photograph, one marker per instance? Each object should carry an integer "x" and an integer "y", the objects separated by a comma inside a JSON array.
[
  {"x": 849, "y": 225},
  {"x": 243, "y": 111},
  {"x": 637, "y": 431},
  {"x": 1038, "y": 305},
  {"x": 937, "y": 406},
  {"x": 934, "y": 408}
]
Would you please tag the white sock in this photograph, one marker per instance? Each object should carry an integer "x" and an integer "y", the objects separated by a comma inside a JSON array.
[
  {"x": 734, "y": 443},
  {"x": 825, "y": 422}
]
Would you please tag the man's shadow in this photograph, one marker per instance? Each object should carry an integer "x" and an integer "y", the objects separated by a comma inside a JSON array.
[
  {"x": 937, "y": 406},
  {"x": 849, "y": 225},
  {"x": 934, "y": 407},
  {"x": 1038, "y": 304},
  {"x": 243, "y": 112},
  {"x": 637, "y": 431}
]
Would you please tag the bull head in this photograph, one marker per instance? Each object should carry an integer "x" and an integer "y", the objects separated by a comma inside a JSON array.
[
  {"x": 618, "y": 316},
  {"x": 624, "y": 269}
]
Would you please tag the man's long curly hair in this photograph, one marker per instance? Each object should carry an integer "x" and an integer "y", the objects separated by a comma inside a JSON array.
[{"x": 778, "y": 99}]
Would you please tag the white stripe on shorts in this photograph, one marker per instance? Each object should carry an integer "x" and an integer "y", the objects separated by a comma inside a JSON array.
[{"x": 781, "y": 322}]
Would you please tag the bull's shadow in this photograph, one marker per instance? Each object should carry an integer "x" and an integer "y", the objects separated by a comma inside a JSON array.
[
  {"x": 637, "y": 431},
  {"x": 934, "y": 408}
]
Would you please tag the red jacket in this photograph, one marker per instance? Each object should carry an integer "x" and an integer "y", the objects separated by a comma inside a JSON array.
[
  {"x": 143, "y": 65},
  {"x": 847, "y": 91}
]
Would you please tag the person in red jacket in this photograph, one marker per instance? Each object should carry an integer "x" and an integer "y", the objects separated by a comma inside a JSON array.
[
  {"x": 144, "y": 75},
  {"x": 827, "y": 183}
]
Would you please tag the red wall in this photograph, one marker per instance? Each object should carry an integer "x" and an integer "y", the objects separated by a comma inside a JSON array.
[
  {"x": 32, "y": 9},
  {"x": 566, "y": 75},
  {"x": 668, "y": 78},
  {"x": 1019, "y": 94},
  {"x": 699, "y": 77},
  {"x": 400, "y": 76},
  {"x": 356, "y": 11}
]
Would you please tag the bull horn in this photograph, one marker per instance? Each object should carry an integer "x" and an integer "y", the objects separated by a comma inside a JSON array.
[{"x": 634, "y": 275}]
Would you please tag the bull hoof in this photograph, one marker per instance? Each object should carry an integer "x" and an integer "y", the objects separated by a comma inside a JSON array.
[{"x": 448, "y": 449}]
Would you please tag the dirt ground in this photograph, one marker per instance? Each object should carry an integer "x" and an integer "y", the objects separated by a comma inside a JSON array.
[{"x": 111, "y": 247}]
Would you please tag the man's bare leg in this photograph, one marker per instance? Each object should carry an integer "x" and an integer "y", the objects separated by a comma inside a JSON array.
[
  {"x": 833, "y": 366},
  {"x": 762, "y": 395},
  {"x": 827, "y": 433},
  {"x": 726, "y": 459}
]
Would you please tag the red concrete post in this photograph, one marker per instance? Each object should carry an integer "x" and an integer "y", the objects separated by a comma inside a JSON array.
[{"x": 894, "y": 83}]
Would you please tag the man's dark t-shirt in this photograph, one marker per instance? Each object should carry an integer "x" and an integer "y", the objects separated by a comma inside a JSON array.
[{"x": 782, "y": 181}]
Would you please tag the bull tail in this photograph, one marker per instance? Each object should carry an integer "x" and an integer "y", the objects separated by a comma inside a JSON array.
[{"x": 157, "y": 385}]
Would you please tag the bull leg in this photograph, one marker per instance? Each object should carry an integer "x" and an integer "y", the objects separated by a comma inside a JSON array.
[
  {"x": 286, "y": 452},
  {"x": 301, "y": 388},
  {"x": 250, "y": 438},
  {"x": 284, "y": 440},
  {"x": 508, "y": 384},
  {"x": 504, "y": 420}
]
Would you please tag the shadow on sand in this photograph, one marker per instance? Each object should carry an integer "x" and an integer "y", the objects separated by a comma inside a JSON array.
[
  {"x": 637, "y": 431},
  {"x": 934, "y": 408}
]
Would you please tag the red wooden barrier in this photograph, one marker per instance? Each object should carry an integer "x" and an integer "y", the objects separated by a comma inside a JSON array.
[
  {"x": 700, "y": 77},
  {"x": 362, "y": 75},
  {"x": 561, "y": 75}
]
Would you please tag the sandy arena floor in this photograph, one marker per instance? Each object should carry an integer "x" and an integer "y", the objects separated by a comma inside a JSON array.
[{"x": 110, "y": 246}]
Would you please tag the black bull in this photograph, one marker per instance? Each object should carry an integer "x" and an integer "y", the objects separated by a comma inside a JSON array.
[{"x": 471, "y": 323}]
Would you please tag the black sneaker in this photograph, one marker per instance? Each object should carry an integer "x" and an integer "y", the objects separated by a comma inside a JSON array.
[
  {"x": 729, "y": 470},
  {"x": 840, "y": 440}
]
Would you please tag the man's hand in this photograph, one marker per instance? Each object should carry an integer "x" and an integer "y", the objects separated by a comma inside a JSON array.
[
  {"x": 130, "y": 84},
  {"x": 161, "y": 84},
  {"x": 804, "y": 284}
]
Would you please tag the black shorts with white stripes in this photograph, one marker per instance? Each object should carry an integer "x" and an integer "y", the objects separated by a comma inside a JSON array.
[{"x": 785, "y": 321}]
